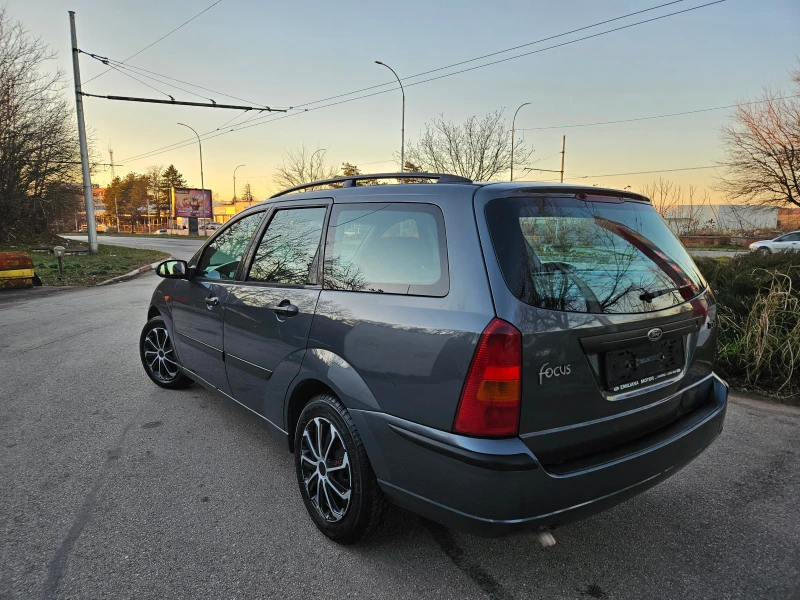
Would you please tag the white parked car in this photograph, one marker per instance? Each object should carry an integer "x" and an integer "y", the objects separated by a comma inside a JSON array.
[
  {"x": 788, "y": 242},
  {"x": 162, "y": 232}
]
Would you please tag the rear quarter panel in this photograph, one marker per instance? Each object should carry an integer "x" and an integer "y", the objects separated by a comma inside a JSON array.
[{"x": 413, "y": 352}]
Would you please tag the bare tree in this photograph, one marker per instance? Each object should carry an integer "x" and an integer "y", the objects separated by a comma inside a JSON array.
[
  {"x": 302, "y": 166},
  {"x": 682, "y": 208},
  {"x": 479, "y": 149},
  {"x": 664, "y": 195},
  {"x": 762, "y": 150},
  {"x": 39, "y": 152}
]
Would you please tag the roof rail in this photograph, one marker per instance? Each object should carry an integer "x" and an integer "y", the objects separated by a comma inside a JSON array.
[{"x": 350, "y": 180}]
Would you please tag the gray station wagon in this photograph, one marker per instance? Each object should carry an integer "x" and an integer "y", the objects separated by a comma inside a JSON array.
[{"x": 495, "y": 357}]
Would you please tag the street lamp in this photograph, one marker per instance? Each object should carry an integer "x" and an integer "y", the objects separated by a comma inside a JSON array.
[
  {"x": 311, "y": 163},
  {"x": 512, "y": 138},
  {"x": 202, "y": 184},
  {"x": 234, "y": 183},
  {"x": 403, "y": 122}
]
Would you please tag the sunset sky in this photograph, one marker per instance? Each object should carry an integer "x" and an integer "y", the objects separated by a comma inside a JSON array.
[{"x": 291, "y": 53}]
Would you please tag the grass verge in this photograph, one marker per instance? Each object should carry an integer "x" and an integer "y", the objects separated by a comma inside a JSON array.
[{"x": 88, "y": 269}]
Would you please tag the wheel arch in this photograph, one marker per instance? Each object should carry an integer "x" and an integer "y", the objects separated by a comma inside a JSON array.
[{"x": 325, "y": 372}]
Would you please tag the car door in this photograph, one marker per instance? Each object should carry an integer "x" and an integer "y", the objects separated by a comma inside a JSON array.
[
  {"x": 791, "y": 242},
  {"x": 198, "y": 303},
  {"x": 268, "y": 313}
]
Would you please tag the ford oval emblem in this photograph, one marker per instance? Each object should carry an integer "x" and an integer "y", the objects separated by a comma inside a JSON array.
[{"x": 654, "y": 334}]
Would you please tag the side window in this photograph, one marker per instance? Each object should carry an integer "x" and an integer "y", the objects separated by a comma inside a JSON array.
[
  {"x": 289, "y": 248},
  {"x": 396, "y": 248},
  {"x": 792, "y": 237},
  {"x": 221, "y": 257}
]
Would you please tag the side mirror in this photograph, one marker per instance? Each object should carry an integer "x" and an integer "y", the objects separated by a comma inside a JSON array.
[{"x": 173, "y": 269}]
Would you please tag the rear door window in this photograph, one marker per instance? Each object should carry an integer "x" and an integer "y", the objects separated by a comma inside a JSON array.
[
  {"x": 393, "y": 248},
  {"x": 289, "y": 248}
]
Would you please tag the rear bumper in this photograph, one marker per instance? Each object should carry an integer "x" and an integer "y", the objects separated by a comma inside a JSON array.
[{"x": 495, "y": 487}]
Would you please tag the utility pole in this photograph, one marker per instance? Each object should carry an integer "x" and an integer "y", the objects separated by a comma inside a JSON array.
[
  {"x": 563, "y": 146},
  {"x": 116, "y": 206},
  {"x": 91, "y": 225}
]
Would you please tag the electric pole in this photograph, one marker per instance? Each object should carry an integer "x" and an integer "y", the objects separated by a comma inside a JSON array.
[
  {"x": 563, "y": 146},
  {"x": 91, "y": 225}
]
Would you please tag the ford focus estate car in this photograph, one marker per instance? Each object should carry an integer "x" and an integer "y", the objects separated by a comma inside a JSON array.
[{"x": 495, "y": 357}]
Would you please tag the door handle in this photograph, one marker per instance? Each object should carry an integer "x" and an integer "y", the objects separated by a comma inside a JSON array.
[
  {"x": 285, "y": 308},
  {"x": 212, "y": 301}
]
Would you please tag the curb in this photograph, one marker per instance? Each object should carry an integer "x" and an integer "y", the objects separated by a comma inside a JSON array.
[{"x": 133, "y": 273}]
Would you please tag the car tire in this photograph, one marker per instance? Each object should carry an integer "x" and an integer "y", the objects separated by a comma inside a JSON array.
[
  {"x": 158, "y": 356},
  {"x": 764, "y": 251},
  {"x": 336, "y": 480}
]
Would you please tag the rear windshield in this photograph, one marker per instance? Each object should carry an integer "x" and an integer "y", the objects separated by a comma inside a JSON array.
[{"x": 562, "y": 253}]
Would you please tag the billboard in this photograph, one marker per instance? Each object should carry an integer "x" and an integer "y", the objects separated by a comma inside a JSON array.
[{"x": 191, "y": 203}]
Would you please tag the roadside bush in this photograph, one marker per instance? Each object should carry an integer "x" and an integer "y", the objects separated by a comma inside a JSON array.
[{"x": 759, "y": 321}]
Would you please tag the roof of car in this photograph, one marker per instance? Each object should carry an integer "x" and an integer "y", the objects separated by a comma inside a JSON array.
[{"x": 349, "y": 186}]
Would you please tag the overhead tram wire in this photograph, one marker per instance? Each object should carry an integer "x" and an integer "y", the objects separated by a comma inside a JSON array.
[
  {"x": 256, "y": 121},
  {"x": 154, "y": 76},
  {"x": 642, "y": 172},
  {"x": 463, "y": 62},
  {"x": 157, "y": 41},
  {"x": 142, "y": 82},
  {"x": 260, "y": 120},
  {"x": 677, "y": 114},
  {"x": 567, "y": 43}
]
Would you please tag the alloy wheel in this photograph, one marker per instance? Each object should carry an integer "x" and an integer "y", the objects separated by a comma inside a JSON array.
[
  {"x": 159, "y": 356},
  {"x": 326, "y": 469}
]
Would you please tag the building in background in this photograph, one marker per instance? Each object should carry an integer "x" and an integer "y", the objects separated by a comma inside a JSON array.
[
  {"x": 688, "y": 219},
  {"x": 789, "y": 219}
]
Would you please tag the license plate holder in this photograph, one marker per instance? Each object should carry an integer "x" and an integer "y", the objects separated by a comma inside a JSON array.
[{"x": 642, "y": 365}]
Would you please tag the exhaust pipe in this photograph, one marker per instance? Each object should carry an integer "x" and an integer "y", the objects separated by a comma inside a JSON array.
[{"x": 545, "y": 538}]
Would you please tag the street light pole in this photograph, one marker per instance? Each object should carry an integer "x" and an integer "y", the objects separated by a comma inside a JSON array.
[
  {"x": 512, "y": 138},
  {"x": 403, "y": 121},
  {"x": 202, "y": 184},
  {"x": 311, "y": 163},
  {"x": 234, "y": 183}
]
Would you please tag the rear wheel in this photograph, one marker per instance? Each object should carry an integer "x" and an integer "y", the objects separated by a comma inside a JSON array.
[
  {"x": 336, "y": 481},
  {"x": 158, "y": 356}
]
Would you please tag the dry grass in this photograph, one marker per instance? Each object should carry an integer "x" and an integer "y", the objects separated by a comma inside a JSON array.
[{"x": 759, "y": 316}]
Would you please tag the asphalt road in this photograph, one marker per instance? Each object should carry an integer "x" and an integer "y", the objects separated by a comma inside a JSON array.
[
  {"x": 111, "y": 487},
  {"x": 177, "y": 247}
]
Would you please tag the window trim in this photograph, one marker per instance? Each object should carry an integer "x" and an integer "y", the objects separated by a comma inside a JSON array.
[
  {"x": 440, "y": 289},
  {"x": 244, "y": 267},
  {"x": 195, "y": 261}
]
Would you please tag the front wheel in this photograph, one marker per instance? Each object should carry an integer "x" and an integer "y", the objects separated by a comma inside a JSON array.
[
  {"x": 336, "y": 481},
  {"x": 158, "y": 356},
  {"x": 764, "y": 251}
]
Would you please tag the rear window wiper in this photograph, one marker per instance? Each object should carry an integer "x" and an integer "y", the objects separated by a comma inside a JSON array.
[{"x": 650, "y": 296}]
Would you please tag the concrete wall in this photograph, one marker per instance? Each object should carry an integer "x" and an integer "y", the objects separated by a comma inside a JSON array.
[{"x": 721, "y": 218}]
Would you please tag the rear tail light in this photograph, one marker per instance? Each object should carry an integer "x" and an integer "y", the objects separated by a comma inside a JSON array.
[{"x": 490, "y": 400}]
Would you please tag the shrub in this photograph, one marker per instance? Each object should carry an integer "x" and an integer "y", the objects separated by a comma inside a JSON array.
[{"x": 759, "y": 320}]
